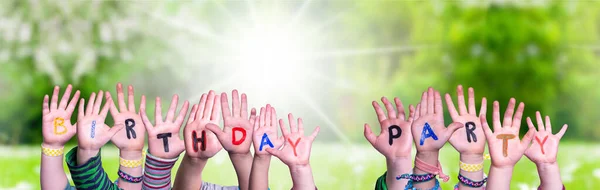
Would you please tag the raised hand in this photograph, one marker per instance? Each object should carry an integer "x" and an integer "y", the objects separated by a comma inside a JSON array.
[
  {"x": 163, "y": 137},
  {"x": 395, "y": 139},
  {"x": 504, "y": 145},
  {"x": 428, "y": 130},
  {"x": 265, "y": 132},
  {"x": 56, "y": 118},
  {"x": 545, "y": 147},
  {"x": 200, "y": 142},
  {"x": 132, "y": 137},
  {"x": 470, "y": 139},
  {"x": 236, "y": 135},
  {"x": 296, "y": 151},
  {"x": 92, "y": 132}
]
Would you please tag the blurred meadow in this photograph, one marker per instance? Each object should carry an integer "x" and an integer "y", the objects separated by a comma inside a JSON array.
[{"x": 324, "y": 61}]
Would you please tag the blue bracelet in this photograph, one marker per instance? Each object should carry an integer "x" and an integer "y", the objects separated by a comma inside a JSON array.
[{"x": 409, "y": 186}]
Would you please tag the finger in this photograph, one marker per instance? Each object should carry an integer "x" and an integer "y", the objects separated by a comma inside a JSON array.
[
  {"x": 472, "y": 105},
  {"x": 262, "y": 115},
  {"x": 54, "y": 101},
  {"x": 244, "y": 111},
  {"x": 284, "y": 131},
  {"x": 225, "y": 106},
  {"x": 293, "y": 127},
  {"x": 267, "y": 120},
  {"x": 113, "y": 108},
  {"x": 530, "y": 123},
  {"x": 72, "y": 104},
  {"x": 548, "y": 125},
  {"x": 369, "y": 134},
  {"x": 158, "y": 118},
  {"x": 411, "y": 113},
  {"x": 508, "y": 114},
  {"x": 131, "y": 100},
  {"x": 496, "y": 116},
  {"x": 417, "y": 112},
  {"x": 462, "y": 108},
  {"x": 182, "y": 113},
  {"x": 253, "y": 117},
  {"x": 210, "y": 100},
  {"x": 562, "y": 131},
  {"x": 200, "y": 110},
  {"x": 192, "y": 114},
  {"x": 379, "y": 112},
  {"x": 216, "y": 130},
  {"x": 540, "y": 122},
  {"x": 98, "y": 103},
  {"x": 400, "y": 108},
  {"x": 486, "y": 128},
  {"x": 518, "y": 115},
  {"x": 147, "y": 123},
  {"x": 314, "y": 134},
  {"x": 439, "y": 107},
  {"x": 216, "y": 109},
  {"x": 301, "y": 126},
  {"x": 527, "y": 138},
  {"x": 90, "y": 106},
  {"x": 430, "y": 101},
  {"x": 45, "y": 107},
  {"x": 389, "y": 108},
  {"x": 107, "y": 105},
  {"x": 273, "y": 117},
  {"x": 172, "y": 108},
  {"x": 121, "y": 97},
  {"x": 65, "y": 98},
  {"x": 483, "y": 109},
  {"x": 81, "y": 114},
  {"x": 235, "y": 103},
  {"x": 423, "y": 103},
  {"x": 451, "y": 108},
  {"x": 255, "y": 123}
]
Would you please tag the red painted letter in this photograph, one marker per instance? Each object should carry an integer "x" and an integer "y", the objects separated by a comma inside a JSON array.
[
  {"x": 294, "y": 145},
  {"x": 505, "y": 138},
  {"x": 541, "y": 143},
  {"x": 238, "y": 142}
]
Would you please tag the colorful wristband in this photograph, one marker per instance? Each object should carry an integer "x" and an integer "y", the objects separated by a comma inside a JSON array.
[
  {"x": 403, "y": 176},
  {"x": 52, "y": 152},
  {"x": 470, "y": 183},
  {"x": 470, "y": 167},
  {"x": 129, "y": 178},
  {"x": 435, "y": 170},
  {"x": 131, "y": 163},
  {"x": 421, "y": 178},
  {"x": 409, "y": 186}
]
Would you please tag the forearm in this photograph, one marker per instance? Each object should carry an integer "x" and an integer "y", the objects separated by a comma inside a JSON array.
[
  {"x": 302, "y": 178},
  {"x": 499, "y": 178},
  {"x": 84, "y": 155},
  {"x": 135, "y": 171},
  {"x": 157, "y": 172},
  {"x": 431, "y": 158},
  {"x": 189, "y": 174},
  {"x": 549, "y": 176},
  {"x": 89, "y": 175},
  {"x": 259, "y": 175},
  {"x": 52, "y": 174},
  {"x": 473, "y": 175},
  {"x": 242, "y": 163},
  {"x": 396, "y": 167}
]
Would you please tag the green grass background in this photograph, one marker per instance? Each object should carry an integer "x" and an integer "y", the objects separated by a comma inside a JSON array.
[{"x": 335, "y": 166}]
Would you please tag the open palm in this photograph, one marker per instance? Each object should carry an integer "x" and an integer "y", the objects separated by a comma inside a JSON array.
[
  {"x": 236, "y": 124},
  {"x": 506, "y": 153},
  {"x": 469, "y": 139},
  {"x": 266, "y": 124},
  {"x": 396, "y": 125},
  {"x": 296, "y": 151},
  {"x": 206, "y": 112},
  {"x": 167, "y": 129},
  {"x": 56, "y": 118},
  {"x": 428, "y": 130},
  {"x": 126, "y": 115},
  {"x": 92, "y": 132},
  {"x": 545, "y": 147}
]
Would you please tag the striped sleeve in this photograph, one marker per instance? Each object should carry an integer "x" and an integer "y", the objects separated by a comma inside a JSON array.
[
  {"x": 89, "y": 175},
  {"x": 380, "y": 184},
  {"x": 157, "y": 172}
]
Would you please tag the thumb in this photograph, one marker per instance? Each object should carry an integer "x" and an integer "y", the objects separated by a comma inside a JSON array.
[
  {"x": 274, "y": 152},
  {"x": 216, "y": 130},
  {"x": 526, "y": 141},
  {"x": 454, "y": 126},
  {"x": 369, "y": 135},
  {"x": 113, "y": 130}
]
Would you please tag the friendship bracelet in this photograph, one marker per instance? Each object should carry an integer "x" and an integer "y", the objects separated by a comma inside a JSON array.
[
  {"x": 409, "y": 186},
  {"x": 403, "y": 176},
  {"x": 131, "y": 163},
  {"x": 470, "y": 167},
  {"x": 129, "y": 178},
  {"x": 469, "y": 182},
  {"x": 421, "y": 178},
  {"x": 435, "y": 170},
  {"x": 52, "y": 152}
]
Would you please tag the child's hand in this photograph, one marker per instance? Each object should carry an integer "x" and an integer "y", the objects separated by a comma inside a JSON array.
[
  {"x": 237, "y": 124},
  {"x": 296, "y": 151},
  {"x": 428, "y": 130},
  {"x": 395, "y": 139},
  {"x": 132, "y": 137},
  {"x": 206, "y": 112},
  {"x": 92, "y": 132},
  {"x": 469, "y": 139},
  {"x": 545, "y": 147},
  {"x": 56, "y": 119},
  {"x": 163, "y": 138},
  {"x": 504, "y": 145},
  {"x": 265, "y": 132}
]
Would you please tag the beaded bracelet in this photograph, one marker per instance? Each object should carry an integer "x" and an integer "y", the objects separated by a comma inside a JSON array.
[
  {"x": 469, "y": 182},
  {"x": 129, "y": 178},
  {"x": 409, "y": 186}
]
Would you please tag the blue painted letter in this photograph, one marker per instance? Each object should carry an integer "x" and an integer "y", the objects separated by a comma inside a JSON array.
[
  {"x": 427, "y": 132},
  {"x": 265, "y": 140}
]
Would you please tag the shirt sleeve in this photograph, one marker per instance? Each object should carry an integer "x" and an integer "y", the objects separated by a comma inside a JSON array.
[
  {"x": 380, "y": 184},
  {"x": 89, "y": 175},
  {"x": 157, "y": 172}
]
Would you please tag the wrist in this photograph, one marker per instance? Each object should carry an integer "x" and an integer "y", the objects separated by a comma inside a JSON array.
[
  {"x": 429, "y": 157},
  {"x": 262, "y": 157},
  {"x": 239, "y": 155},
  {"x": 53, "y": 145},
  {"x": 130, "y": 154},
  {"x": 502, "y": 170},
  {"x": 299, "y": 169},
  {"x": 471, "y": 158}
]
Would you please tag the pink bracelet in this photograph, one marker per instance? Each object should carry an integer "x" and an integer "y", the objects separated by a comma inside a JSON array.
[{"x": 436, "y": 170}]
